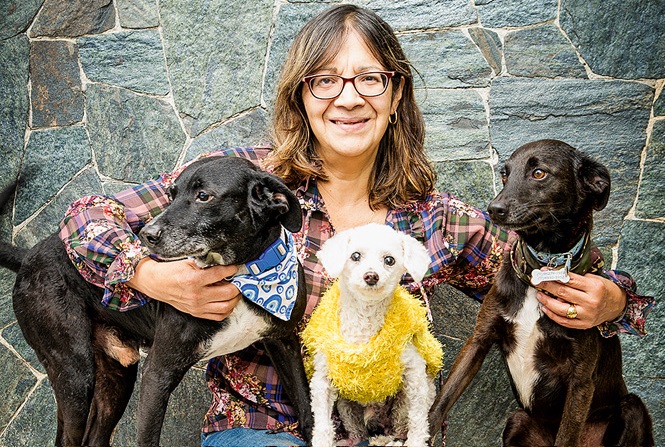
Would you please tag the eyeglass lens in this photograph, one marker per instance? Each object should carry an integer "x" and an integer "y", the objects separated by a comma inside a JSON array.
[{"x": 366, "y": 84}]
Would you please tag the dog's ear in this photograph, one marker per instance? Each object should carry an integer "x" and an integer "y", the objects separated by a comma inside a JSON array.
[
  {"x": 596, "y": 182},
  {"x": 271, "y": 192},
  {"x": 416, "y": 257},
  {"x": 333, "y": 254}
]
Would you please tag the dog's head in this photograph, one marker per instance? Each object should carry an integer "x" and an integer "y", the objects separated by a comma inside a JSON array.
[
  {"x": 371, "y": 260},
  {"x": 550, "y": 187},
  {"x": 224, "y": 205}
]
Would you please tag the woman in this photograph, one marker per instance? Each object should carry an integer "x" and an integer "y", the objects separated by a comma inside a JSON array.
[{"x": 348, "y": 138}]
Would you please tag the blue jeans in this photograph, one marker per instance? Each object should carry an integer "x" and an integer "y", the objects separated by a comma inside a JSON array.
[{"x": 246, "y": 437}]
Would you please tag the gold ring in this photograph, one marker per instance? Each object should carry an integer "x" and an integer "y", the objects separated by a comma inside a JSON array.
[{"x": 572, "y": 312}]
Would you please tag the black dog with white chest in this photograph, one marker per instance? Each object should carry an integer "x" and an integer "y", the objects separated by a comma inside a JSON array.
[
  {"x": 568, "y": 382},
  {"x": 223, "y": 210}
]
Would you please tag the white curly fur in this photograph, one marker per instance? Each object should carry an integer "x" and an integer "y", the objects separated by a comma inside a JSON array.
[{"x": 362, "y": 311}]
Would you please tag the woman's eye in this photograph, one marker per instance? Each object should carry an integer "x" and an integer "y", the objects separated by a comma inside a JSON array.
[
  {"x": 539, "y": 174},
  {"x": 355, "y": 256},
  {"x": 203, "y": 197},
  {"x": 389, "y": 260}
]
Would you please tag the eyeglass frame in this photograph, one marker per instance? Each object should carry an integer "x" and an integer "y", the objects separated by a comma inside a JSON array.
[{"x": 389, "y": 74}]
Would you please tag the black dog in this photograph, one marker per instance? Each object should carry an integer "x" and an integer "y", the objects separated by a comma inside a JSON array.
[
  {"x": 568, "y": 382},
  {"x": 222, "y": 208}
]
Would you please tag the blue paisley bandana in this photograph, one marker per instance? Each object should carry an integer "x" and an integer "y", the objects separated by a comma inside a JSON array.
[{"x": 272, "y": 281}]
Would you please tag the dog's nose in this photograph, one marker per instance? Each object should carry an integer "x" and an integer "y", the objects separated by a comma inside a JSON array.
[
  {"x": 152, "y": 234},
  {"x": 371, "y": 278},
  {"x": 497, "y": 210}
]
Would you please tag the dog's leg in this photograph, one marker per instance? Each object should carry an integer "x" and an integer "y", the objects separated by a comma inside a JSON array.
[
  {"x": 114, "y": 386},
  {"x": 324, "y": 396},
  {"x": 523, "y": 431},
  {"x": 287, "y": 360},
  {"x": 466, "y": 365},
  {"x": 580, "y": 389},
  {"x": 631, "y": 425},
  {"x": 419, "y": 394}
]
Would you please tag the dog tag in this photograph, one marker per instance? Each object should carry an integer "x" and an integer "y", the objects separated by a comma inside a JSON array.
[{"x": 538, "y": 276}]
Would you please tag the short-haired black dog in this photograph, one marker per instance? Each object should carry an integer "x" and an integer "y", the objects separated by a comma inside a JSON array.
[
  {"x": 221, "y": 207},
  {"x": 568, "y": 382}
]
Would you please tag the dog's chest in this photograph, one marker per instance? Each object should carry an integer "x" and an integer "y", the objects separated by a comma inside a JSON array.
[
  {"x": 521, "y": 359},
  {"x": 243, "y": 327}
]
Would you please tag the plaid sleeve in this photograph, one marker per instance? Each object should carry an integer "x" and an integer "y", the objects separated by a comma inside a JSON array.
[{"x": 466, "y": 248}]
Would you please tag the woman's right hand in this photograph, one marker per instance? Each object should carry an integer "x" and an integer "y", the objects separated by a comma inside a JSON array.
[{"x": 203, "y": 293}]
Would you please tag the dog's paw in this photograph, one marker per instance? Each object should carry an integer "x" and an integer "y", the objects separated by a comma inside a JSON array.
[{"x": 384, "y": 440}]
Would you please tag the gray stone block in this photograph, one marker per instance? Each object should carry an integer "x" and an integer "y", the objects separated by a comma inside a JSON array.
[
  {"x": 456, "y": 126},
  {"x": 137, "y": 13},
  {"x": 7, "y": 279},
  {"x": 13, "y": 335},
  {"x": 250, "y": 129},
  {"x": 215, "y": 52},
  {"x": 470, "y": 182},
  {"x": 134, "y": 136},
  {"x": 605, "y": 119},
  {"x": 14, "y": 104},
  {"x": 490, "y": 47},
  {"x": 445, "y": 59},
  {"x": 16, "y": 16},
  {"x": 52, "y": 158},
  {"x": 618, "y": 38},
  {"x": 130, "y": 59},
  {"x": 651, "y": 197},
  {"x": 16, "y": 384},
  {"x": 55, "y": 78},
  {"x": 35, "y": 425},
  {"x": 73, "y": 18},
  {"x": 659, "y": 105},
  {"x": 513, "y": 13},
  {"x": 422, "y": 14},
  {"x": 541, "y": 51}
]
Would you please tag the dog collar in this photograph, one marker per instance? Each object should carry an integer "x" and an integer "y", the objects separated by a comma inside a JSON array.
[
  {"x": 272, "y": 281},
  {"x": 527, "y": 262}
]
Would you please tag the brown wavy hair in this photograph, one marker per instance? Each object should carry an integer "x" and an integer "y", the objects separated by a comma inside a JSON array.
[{"x": 402, "y": 172}]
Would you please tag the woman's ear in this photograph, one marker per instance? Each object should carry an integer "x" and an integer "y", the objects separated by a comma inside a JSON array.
[{"x": 397, "y": 96}]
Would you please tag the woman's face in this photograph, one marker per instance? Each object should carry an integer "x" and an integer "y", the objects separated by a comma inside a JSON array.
[{"x": 350, "y": 125}]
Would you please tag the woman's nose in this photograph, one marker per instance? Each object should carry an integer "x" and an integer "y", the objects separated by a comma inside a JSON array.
[{"x": 349, "y": 96}]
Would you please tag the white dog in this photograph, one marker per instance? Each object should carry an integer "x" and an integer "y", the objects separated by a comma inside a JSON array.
[{"x": 368, "y": 340}]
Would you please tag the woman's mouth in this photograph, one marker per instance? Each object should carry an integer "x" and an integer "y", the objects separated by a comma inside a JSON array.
[{"x": 350, "y": 123}]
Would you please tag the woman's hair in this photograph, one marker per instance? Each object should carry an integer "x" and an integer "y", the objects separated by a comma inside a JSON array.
[{"x": 402, "y": 172}]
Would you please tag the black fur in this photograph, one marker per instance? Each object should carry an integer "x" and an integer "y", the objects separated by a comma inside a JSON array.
[
  {"x": 580, "y": 397},
  {"x": 62, "y": 318}
]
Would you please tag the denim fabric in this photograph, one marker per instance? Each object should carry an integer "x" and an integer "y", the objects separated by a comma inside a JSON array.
[{"x": 247, "y": 437}]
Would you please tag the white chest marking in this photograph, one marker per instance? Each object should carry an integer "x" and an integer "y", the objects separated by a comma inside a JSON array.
[
  {"x": 521, "y": 361},
  {"x": 244, "y": 328}
]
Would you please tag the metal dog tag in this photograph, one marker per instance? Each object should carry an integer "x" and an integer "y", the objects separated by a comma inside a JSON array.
[{"x": 538, "y": 276}]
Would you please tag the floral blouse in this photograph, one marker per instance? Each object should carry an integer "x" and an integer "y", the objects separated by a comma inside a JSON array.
[{"x": 100, "y": 235}]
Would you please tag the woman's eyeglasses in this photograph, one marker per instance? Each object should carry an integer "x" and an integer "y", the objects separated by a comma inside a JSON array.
[{"x": 329, "y": 86}]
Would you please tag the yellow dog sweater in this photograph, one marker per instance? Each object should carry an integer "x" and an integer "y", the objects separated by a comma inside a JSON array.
[{"x": 372, "y": 371}]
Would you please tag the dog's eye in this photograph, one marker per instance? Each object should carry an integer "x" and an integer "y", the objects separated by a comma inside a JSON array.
[
  {"x": 539, "y": 174},
  {"x": 389, "y": 260},
  {"x": 355, "y": 256},
  {"x": 504, "y": 176},
  {"x": 203, "y": 197}
]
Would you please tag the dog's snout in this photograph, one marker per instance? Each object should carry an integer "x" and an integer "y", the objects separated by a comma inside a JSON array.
[
  {"x": 371, "y": 278},
  {"x": 152, "y": 234},
  {"x": 497, "y": 209}
]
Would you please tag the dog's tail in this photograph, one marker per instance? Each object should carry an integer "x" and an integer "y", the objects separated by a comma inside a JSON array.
[{"x": 10, "y": 255}]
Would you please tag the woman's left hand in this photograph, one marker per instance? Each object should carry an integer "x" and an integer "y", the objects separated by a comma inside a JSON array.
[{"x": 596, "y": 300}]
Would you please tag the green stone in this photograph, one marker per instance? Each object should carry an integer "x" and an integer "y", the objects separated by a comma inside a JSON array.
[
  {"x": 16, "y": 16},
  {"x": 651, "y": 198},
  {"x": 130, "y": 59},
  {"x": 52, "y": 158},
  {"x": 73, "y": 18},
  {"x": 514, "y": 13},
  {"x": 456, "y": 126},
  {"x": 134, "y": 137}
]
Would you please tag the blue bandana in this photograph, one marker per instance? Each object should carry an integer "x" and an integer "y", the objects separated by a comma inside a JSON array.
[{"x": 272, "y": 281}]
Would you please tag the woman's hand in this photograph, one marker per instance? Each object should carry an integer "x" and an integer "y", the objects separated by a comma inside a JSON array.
[
  {"x": 596, "y": 300},
  {"x": 203, "y": 293}
]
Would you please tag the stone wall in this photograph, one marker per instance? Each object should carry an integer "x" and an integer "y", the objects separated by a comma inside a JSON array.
[{"x": 99, "y": 94}]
